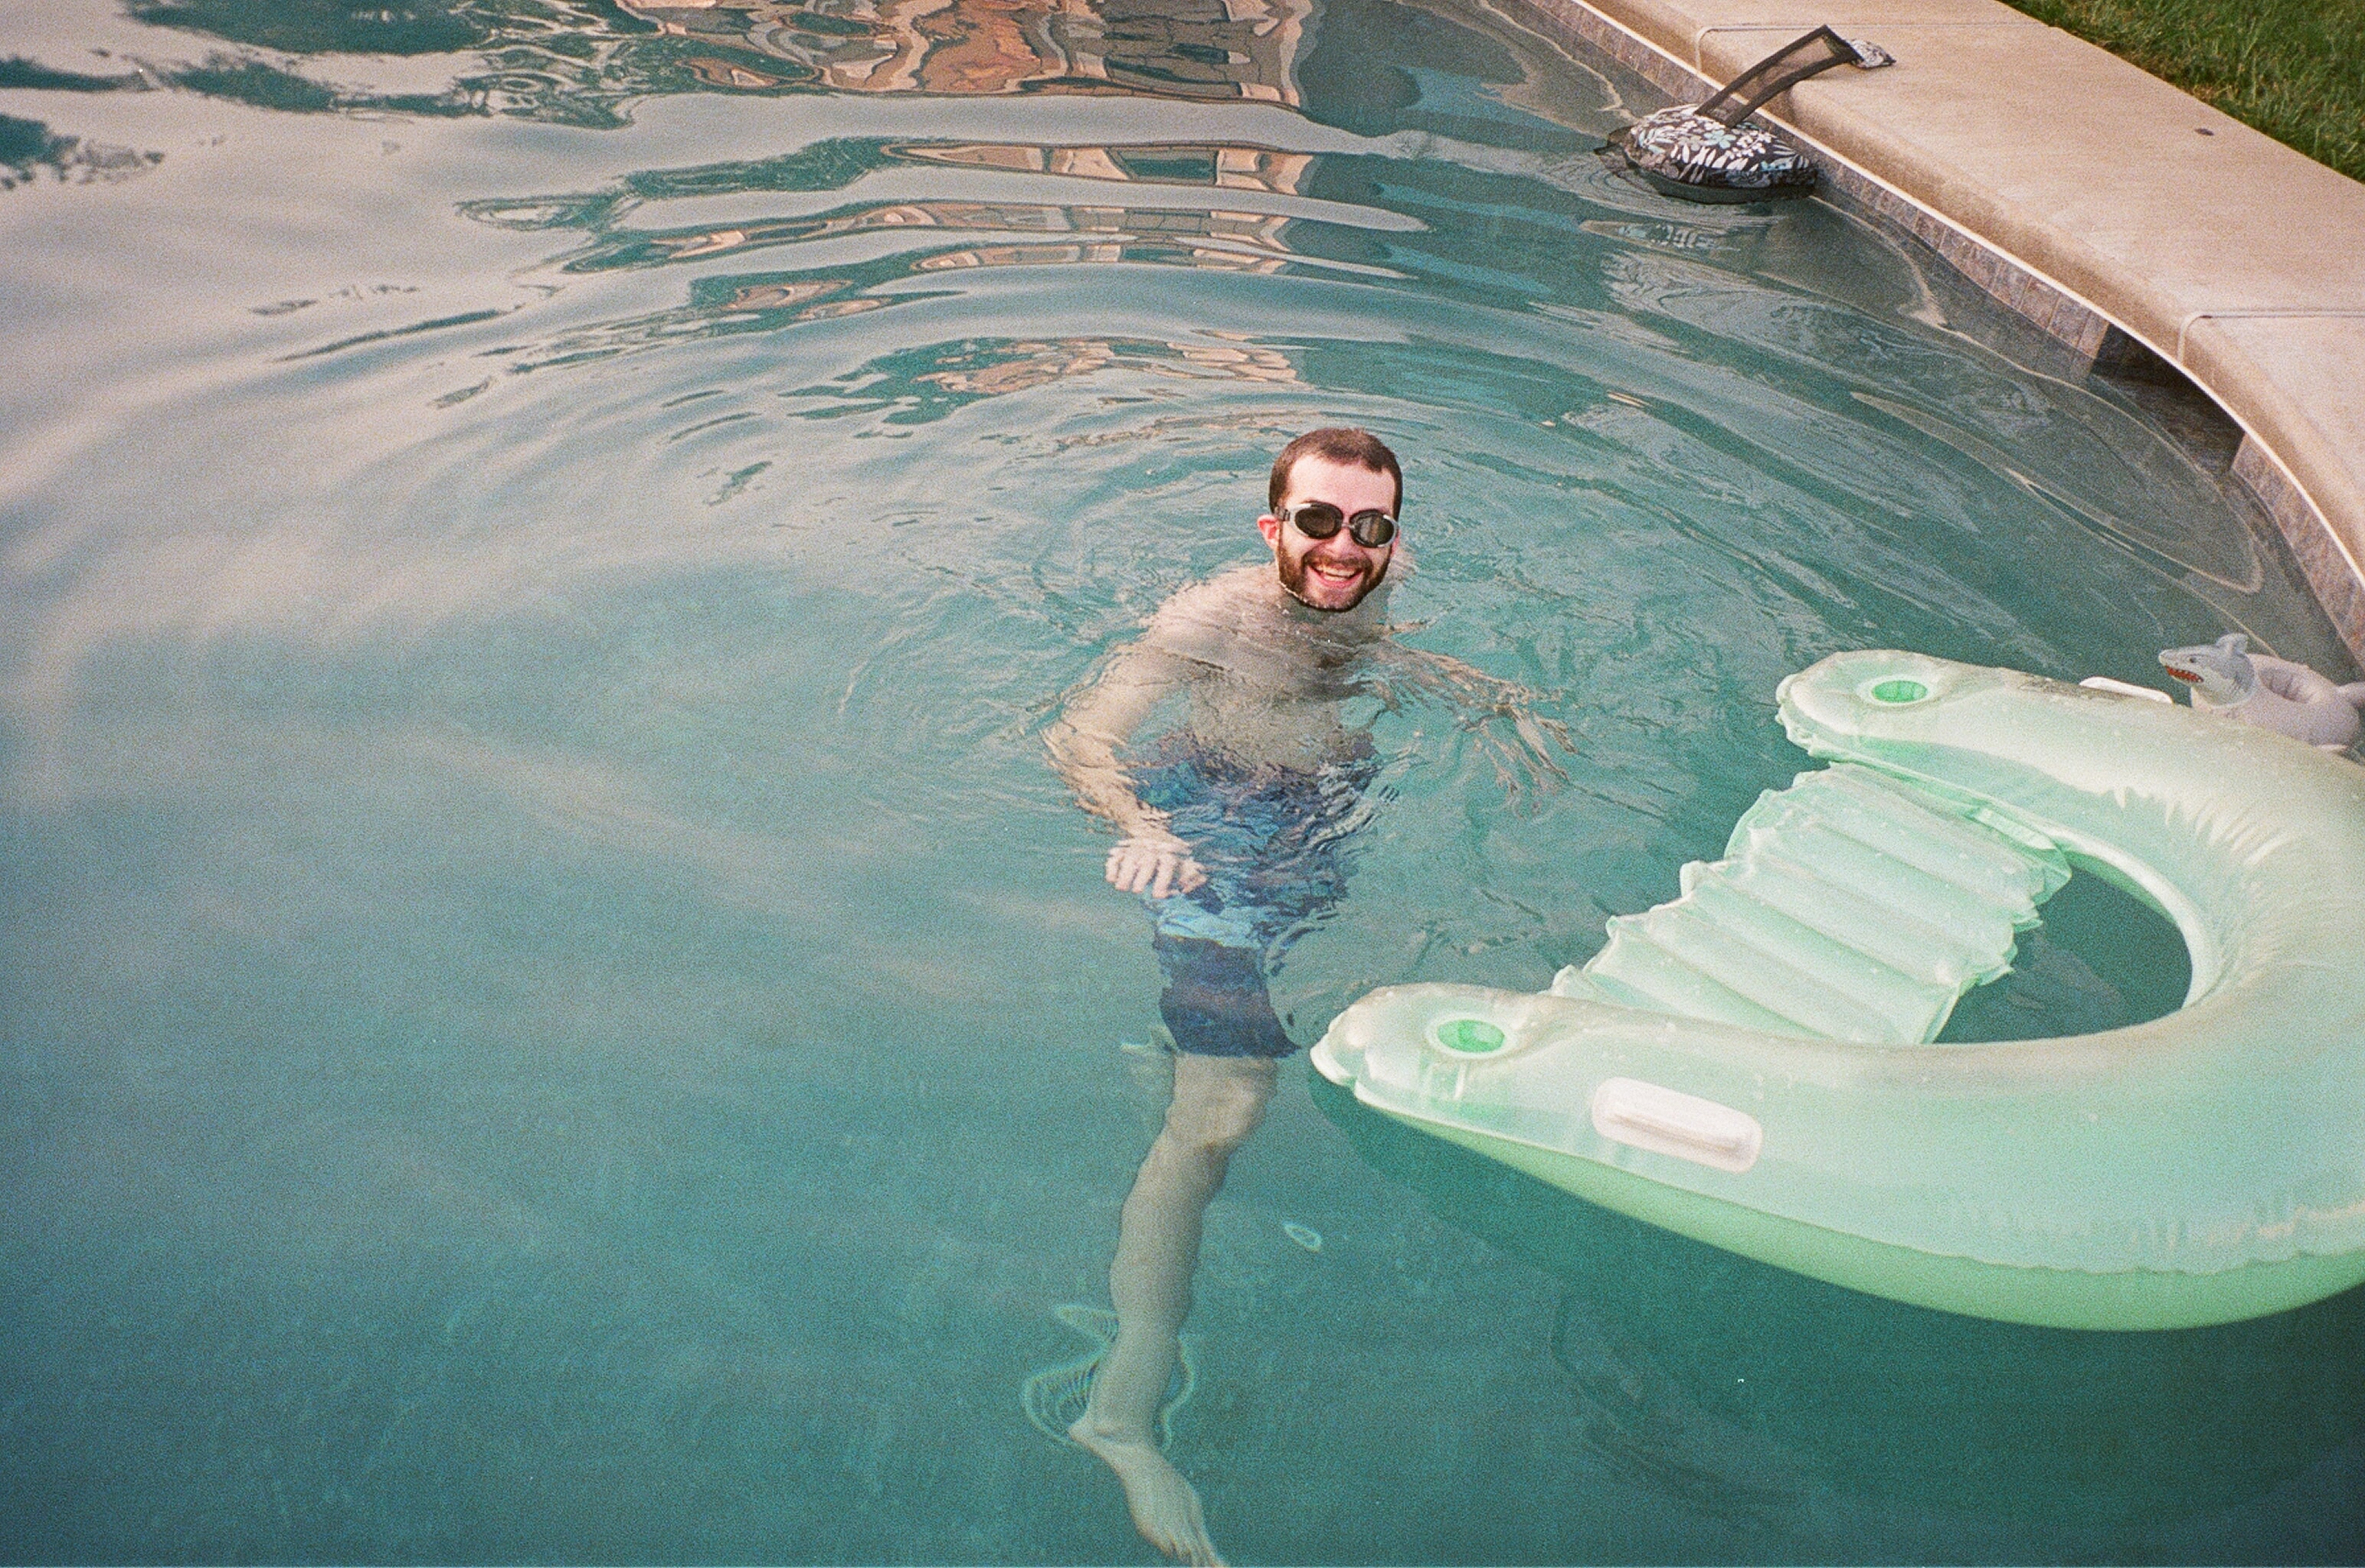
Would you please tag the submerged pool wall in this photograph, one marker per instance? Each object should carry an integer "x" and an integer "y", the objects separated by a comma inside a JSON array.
[{"x": 2133, "y": 223}]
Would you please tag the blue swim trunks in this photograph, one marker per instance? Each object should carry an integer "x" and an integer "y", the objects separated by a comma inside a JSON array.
[{"x": 1272, "y": 842}]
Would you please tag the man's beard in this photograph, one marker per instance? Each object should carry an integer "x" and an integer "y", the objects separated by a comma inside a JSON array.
[{"x": 1293, "y": 583}]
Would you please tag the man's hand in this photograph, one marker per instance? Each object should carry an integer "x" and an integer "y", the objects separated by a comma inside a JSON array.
[{"x": 1153, "y": 861}]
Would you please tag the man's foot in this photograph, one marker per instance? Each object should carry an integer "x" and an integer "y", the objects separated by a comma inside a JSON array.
[{"x": 1165, "y": 1505}]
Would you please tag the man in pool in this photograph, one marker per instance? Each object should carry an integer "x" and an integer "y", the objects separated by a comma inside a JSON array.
[{"x": 1232, "y": 827}]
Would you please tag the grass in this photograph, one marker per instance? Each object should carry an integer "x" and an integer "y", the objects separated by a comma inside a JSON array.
[{"x": 2293, "y": 69}]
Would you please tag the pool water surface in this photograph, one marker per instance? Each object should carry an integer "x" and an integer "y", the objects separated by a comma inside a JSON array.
[{"x": 554, "y": 1006}]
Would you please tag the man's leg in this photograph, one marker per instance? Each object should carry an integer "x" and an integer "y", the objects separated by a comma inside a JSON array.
[{"x": 1218, "y": 1101}]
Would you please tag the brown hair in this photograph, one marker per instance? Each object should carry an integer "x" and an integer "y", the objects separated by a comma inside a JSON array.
[{"x": 1355, "y": 448}]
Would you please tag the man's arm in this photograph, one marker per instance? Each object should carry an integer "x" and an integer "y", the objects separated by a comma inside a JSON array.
[
  {"x": 1482, "y": 697},
  {"x": 1083, "y": 743}
]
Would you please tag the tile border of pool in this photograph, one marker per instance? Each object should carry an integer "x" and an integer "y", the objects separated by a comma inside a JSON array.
[{"x": 2060, "y": 180}]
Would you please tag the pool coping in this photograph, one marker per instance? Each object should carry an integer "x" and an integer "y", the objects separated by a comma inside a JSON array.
[{"x": 2122, "y": 216}]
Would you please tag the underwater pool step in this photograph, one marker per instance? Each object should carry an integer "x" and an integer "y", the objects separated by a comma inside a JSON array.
[{"x": 1851, "y": 906}]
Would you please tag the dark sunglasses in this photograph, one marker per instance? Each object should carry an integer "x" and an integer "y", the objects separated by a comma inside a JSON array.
[{"x": 1320, "y": 520}]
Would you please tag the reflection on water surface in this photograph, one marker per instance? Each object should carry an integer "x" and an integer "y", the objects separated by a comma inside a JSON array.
[
  {"x": 556, "y": 1008},
  {"x": 1207, "y": 49}
]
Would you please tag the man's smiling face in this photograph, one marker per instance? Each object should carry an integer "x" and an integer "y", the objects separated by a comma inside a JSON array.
[{"x": 1331, "y": 573}]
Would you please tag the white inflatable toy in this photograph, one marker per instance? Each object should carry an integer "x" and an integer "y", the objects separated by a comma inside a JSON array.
[
  {"x": 2228, "y": 680},
  {"x": 1753, "y": 1064}
]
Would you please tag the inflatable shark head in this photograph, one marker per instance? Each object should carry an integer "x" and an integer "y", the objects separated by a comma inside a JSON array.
[{"x": 2219, "y": 673}]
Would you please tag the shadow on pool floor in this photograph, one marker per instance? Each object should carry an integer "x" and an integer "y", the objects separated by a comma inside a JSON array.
[{"x": 1740, "y": 1390}]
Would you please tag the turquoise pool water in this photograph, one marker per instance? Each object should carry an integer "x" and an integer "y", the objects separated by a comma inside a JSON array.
[{"x": 554, "y": 1009}]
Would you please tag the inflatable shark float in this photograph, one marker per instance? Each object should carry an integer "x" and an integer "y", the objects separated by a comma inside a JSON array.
[
  {"x": 1752, "y": 1065},
  {"x": 2227, "y": 679}
]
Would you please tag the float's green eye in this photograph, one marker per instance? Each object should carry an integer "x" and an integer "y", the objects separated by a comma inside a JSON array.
[{"x": 1899, "y": 691}]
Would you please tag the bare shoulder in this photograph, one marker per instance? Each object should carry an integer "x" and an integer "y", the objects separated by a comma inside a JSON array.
[{"x": 1208, "y": 615}]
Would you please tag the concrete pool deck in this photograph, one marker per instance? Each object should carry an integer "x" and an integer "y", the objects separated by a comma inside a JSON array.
[{"x": 2104, "y": 205}]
